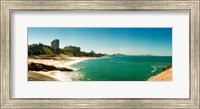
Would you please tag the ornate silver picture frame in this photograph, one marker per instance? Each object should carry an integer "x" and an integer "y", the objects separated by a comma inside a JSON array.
[{"x": 8, "y": 6}]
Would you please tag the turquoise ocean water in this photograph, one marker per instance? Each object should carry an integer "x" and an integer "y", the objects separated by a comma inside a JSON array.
[{"x": 122, "y": 68}]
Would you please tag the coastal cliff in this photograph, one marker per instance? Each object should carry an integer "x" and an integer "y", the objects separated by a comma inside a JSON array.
[{"x": 166, "y": 75}]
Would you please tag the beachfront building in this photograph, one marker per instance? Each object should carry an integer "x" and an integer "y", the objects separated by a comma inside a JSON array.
[{"x": 55, "y": 44}]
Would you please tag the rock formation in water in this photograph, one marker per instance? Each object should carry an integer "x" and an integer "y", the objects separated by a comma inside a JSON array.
[{"x": 42, "y": 67}]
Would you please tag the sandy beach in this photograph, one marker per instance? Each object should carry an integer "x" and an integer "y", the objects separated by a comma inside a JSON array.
[
  {"x": 59, "y": 61},
  {"x": 64, "y": 61},
  {"x": 163, "y": 76}
]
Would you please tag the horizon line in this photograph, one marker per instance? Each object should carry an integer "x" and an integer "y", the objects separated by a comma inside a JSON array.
[{"x": 112, "y": 53}]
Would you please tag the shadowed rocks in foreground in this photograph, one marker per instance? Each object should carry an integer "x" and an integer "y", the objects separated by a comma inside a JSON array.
[
  {"x": 39, "y": 77},
  {"x": 42, "y": 67}
]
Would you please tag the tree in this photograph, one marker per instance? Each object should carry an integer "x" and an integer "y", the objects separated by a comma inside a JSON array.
[
  {"x": 40, "y": 49},
  {"x": 76, "y": 51},
  {"x": 48, "y": 51}
]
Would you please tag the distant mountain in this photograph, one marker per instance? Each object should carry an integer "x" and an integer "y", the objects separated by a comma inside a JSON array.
[
  {"x": 119, "y": 55},
  {"x": 146, "y": 55}
]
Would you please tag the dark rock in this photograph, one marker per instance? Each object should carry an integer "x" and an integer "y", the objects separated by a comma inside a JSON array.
[
  {"x": 167, "y": 67},
  {"x": 42, "y": 67}
]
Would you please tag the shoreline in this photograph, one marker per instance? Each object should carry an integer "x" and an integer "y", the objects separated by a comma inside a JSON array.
[
  {"x": 65, "y": 61},
  {"x": 165, "y": 75},
  {"x": 56, "y": 75},
  {"x": 74, "y": 60}
]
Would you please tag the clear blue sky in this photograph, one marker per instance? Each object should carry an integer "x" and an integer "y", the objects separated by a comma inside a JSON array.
[{"x": 131, "y": 41}]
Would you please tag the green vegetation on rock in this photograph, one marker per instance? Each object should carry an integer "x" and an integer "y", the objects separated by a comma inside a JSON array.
[{"x": 41, "y": 49}]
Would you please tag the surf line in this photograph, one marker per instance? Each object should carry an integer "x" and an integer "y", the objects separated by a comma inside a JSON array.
[{"x": 156, "y": 67}]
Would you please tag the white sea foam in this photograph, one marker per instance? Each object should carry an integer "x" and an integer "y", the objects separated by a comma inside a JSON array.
[
  {"x": 160, "y": 66},
  {"x": 74, "y": 60},
  {"x": 63, "y": 76},
  {"x": 156, "y": 67},
  {"x": 69, "y": 76}
]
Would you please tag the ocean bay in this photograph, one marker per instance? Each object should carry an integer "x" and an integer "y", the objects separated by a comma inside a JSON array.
[
  {"x": 100, "y": 54},
  {"x": 122, "y": 68}
]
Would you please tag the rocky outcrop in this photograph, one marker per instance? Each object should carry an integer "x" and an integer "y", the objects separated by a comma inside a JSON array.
[
  {"x": 33, "y": 76},
  {"x": 163, "y": 76},
  {"x": 167, "y": 67},
  {"x": 42, "y": 67}
]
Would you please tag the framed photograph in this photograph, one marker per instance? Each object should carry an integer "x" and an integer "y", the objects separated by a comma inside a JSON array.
[{"x": 100, "y": 54}]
